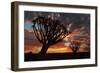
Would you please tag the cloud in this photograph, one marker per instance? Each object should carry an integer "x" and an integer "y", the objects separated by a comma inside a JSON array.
[
  {"x": 67, "y": 44},
  {"x": 28, "y": 25}
]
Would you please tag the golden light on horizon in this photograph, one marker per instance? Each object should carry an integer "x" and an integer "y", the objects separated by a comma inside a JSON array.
[
  {"x": 36, "y": 50},
  {"x": 59, "y": 50}
]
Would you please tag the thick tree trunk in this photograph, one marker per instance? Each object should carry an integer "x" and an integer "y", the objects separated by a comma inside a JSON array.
[
  {"x": 75, "y": 50},
  {"x": 44, "y": 50}
]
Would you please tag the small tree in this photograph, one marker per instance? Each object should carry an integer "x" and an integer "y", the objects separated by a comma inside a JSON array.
[
  {"x": 48, "y": 32},
  {"x": 75, "y": 47}
]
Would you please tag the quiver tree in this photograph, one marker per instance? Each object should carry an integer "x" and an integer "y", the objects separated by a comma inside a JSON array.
[
  {"x": 74, "y": 46},
  {"x": 48, "y": 32}
]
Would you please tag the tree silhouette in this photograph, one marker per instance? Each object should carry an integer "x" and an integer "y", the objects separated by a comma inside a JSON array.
[
  {"x": 48, "y": 32},
  {"x": 74, "y": 46}
]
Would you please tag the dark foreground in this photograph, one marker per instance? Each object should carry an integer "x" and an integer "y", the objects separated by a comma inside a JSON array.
[{"x": 59, "y": 56}]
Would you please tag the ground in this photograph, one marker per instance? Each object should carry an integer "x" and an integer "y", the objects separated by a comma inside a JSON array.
[{"x": 55, "y": 56}]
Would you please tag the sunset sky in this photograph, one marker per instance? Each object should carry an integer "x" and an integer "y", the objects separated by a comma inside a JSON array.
[{"x": 80, "y": 32}]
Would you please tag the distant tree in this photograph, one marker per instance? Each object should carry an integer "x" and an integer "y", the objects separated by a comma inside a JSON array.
[
  {"x": 48, "y": 32},
  {"x": 74, "y": 46}
]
